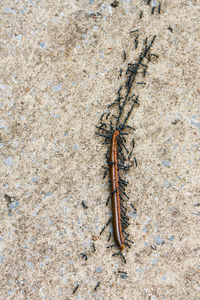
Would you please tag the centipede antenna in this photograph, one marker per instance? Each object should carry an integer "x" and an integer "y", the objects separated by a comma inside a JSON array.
[
  {"x": 129, "y": 241},
  {"x": 109, "y": 220},
  {"x": 122, "y": 256}
]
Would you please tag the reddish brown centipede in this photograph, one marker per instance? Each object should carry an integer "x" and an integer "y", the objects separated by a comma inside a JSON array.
[
  {"x": 118, "y": 155},
  {"x": 115, "y": 196}
]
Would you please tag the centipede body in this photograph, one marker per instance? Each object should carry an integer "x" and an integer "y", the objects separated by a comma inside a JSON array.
[{"x": 115, "y": 194}]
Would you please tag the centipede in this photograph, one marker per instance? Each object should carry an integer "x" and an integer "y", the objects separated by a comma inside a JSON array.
[{"x": 114, "y": 129}]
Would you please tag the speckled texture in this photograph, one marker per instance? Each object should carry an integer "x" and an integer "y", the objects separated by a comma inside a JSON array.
[{"x": 60, "y": 66}]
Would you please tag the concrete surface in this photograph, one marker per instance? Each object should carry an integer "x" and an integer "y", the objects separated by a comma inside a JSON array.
[{"x": 60, "y": 66}]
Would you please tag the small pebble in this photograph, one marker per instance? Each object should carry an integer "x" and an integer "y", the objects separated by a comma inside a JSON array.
[
  {"x": 43, "y": 44},
  {"x": 159, "y": 240},
  {"x": 35, "y": 179},
  {"x": 99, "y": 269},
  {"x": 166, "y": 163}
]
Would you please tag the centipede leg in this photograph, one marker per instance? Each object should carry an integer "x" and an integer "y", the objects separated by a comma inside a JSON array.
[
  {"x": 111, "y": 246},
  {"x": 107, "y": 201},
  {"x": 102, "y": 230},
  {"x": 129, "y": 241},
  {"x": 122, "y": 256}
]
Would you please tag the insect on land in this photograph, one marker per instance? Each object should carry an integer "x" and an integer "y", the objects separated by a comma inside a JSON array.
[{"x": 114, "y": 129}]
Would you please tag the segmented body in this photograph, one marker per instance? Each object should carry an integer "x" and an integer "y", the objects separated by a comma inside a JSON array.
[
  {"x": 115, "y": 194},
  {"x": 117, "y": 154}
]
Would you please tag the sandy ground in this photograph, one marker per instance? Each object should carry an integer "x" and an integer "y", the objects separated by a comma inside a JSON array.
[{"x": 60, "y": 63}]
